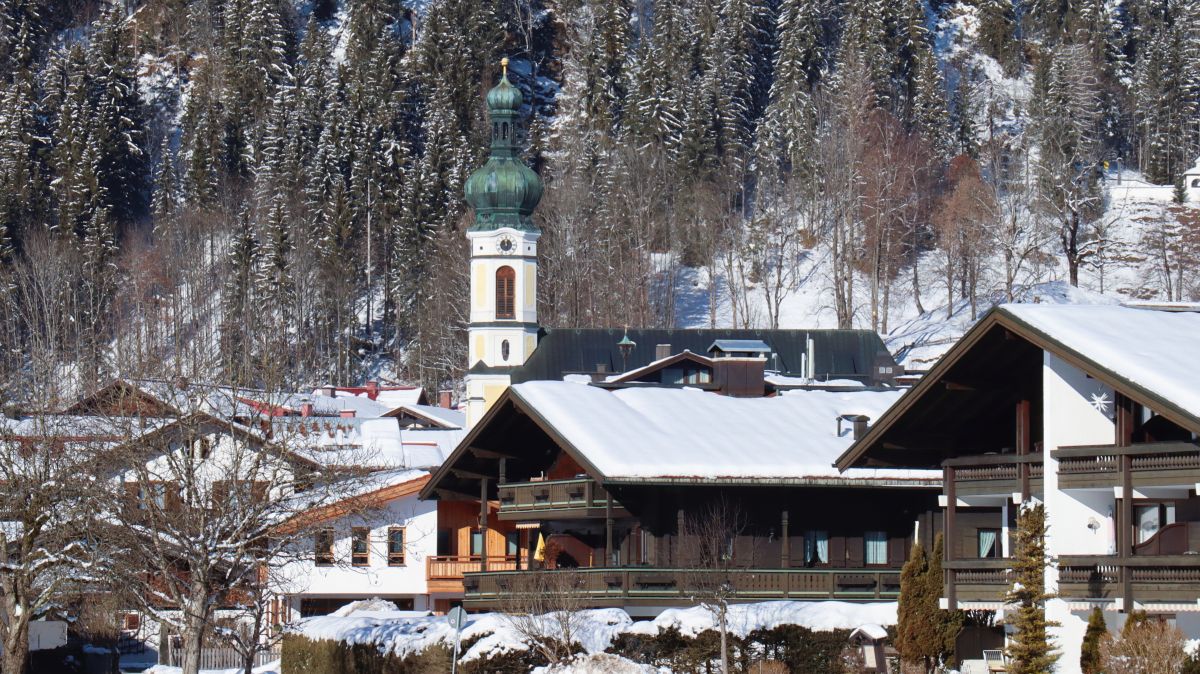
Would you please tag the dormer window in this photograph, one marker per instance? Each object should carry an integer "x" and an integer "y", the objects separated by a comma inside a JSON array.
[{"x": 506, "y": 286}]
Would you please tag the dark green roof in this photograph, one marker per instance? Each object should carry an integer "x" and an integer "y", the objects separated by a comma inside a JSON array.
[
  {"x": 840, "y": 354},
  {"x": 503, "y": 191}
]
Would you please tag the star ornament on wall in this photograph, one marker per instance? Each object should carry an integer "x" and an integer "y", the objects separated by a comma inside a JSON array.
[{"x": 1101, "y": 402}]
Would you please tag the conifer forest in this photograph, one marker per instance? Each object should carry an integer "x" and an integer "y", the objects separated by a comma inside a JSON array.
[{"x": 236, "y": 189}]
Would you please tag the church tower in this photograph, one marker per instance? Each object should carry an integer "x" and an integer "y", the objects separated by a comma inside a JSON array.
[{"x": 503, "y": 238}]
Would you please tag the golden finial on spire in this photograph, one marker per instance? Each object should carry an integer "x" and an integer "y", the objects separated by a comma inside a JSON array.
[{"x": 504, "y": 66}]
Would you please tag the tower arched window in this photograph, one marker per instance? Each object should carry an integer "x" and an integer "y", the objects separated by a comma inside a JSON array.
[{"x": 506, "y": 290}]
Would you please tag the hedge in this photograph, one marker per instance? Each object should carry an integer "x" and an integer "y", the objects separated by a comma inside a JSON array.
[{"x": 802, "y": 650}]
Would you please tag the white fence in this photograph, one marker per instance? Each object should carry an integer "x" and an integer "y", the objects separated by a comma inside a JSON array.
[{"x": 222, "y": 658}]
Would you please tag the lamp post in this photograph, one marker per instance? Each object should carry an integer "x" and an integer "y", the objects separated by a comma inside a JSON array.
[{"x": 626, "y": 346}]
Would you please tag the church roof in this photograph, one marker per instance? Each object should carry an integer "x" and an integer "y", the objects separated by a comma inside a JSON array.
[{"x": 839, "y": 354}]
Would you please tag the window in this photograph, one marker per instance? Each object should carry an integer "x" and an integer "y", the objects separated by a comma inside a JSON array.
[
  {"x": 989, "y": 543},
  {"x": 512, "y": 544},
  {"x": 324, "y": 547},
  {"x": 1151, "y": 517},
  {"x": 506, "y": 289},
  {"x": 396, "y": 546},
  {"x": 152, "y": 493},
  {"x": 476, "y": 542},
  {"x": 504, "y": 350},
  {"x": 875, "y": 544},
  {"x": 816, "y": 547},
  {"x": 360, "y": 551}
]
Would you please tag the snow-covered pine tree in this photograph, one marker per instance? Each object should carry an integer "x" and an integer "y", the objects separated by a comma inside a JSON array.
[
  {"x": 200, "y": 147},
  {"x": 964, "y": 135},
  {"x": 783, "y": 147},
  {"x": 1031, "y": 650},
  {"x": 118, "y": 120},
  {"x": 998, "y": 33},
  {"x": 23, "y": 188},
  {"x": 237, "y": 304},
  {"x": 164, "y": 204},
  {"x": 745, "y": 40},
  {"x": 73, "y": 175},
  {"x": 924, "y": 86}
]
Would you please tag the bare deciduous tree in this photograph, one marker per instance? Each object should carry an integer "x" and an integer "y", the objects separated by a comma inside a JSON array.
[
  {"x": 546, "y": 609},
  {"x": 710, "y": 540}
]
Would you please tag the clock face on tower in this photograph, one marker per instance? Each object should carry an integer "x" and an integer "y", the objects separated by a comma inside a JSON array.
[{"x": 506, "y": 245}]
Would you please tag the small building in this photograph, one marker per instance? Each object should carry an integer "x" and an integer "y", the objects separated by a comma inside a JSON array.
[
  {"x": 1191, "y": 184},
  {"x": 373, "y": 543}
]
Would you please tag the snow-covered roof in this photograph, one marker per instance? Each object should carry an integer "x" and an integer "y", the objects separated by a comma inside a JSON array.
[
  {"x": 739, "y": 346},
  {"x": 363, "y": 441},
  {"x": 1158, "y": 351},
  {"x": 446, "y": 418},
  {"x": 674, "y": 433}
]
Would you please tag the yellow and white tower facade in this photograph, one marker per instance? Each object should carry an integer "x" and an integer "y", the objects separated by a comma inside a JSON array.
[{"x": 503, "y": 238}]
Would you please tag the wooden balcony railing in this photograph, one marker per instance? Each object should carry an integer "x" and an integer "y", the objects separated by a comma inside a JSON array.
[
  {"x": 621, "y": 586},
  {"x": 580, "y": 496},
  {"x": 979, "y": 579},
  {"x": 452, "y": 567},
  {"x": 1149, "y": 463},
  {"x": 1164, "y": 578},
  {"x": 998, "y": 473}
]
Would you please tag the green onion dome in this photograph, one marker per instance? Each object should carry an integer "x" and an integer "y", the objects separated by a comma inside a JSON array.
[{"x": 504, "y": 191}]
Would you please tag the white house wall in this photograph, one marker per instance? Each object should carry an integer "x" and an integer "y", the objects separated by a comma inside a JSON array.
[
  {"x": 1075, "y": 413},
  {"x": 304, "y": 578}
]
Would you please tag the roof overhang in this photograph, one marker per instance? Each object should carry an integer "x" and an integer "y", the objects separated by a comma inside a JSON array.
[{"x": 999, "y": 319}]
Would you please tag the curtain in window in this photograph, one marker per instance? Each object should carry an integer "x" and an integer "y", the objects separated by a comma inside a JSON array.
[
  {"x": 987, "y": 543},
  {"x": 875, "y": 547}
]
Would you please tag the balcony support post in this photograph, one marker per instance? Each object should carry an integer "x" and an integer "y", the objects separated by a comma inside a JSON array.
[
  {"x": 951, "y": 539},
  {"x": 1125, "y": 533},
  {"x": 483, "y": 525},
  {"x": 785, "y": 556},
  {"x": 608, "y": 534},
  {"x": 1024, "y": 445},
  {"x": 679, "y": 530},
  {"x": 503, "y": 472}
]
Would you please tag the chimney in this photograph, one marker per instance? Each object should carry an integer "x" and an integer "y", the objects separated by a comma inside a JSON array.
[
  {"x": 602, "y": 367},
  {"x": 740, "y": 377},
  {"x": 662, "y": 351},
  {"x": 306, "y": 409},
  {"x": 327, "y": 390},
  {"x": 859, "y": 423},
  {"x": 346, "y": 414},
  {"x": 446, "y": 399},
  {"x": 372, "y": 389}
]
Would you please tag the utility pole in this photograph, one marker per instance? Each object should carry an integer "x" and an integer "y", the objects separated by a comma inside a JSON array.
[{"x": 370, "y": 261}]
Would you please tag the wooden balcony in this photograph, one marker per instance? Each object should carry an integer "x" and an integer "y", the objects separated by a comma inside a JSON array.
[
  {"x": 556, "y": 499},
  {"x": 605, "y": 587},
  {"x": 1149, "y": 464},
  {"x": 983, "y": 580},
  {"x": 1163, "y": 578},
  {"x": 995, "y": 474},
  {"x": 444, "y": 573}
]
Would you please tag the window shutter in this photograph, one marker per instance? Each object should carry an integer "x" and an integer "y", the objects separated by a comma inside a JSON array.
[
  {"x": 854, "y": 551},
  {"x": 897, "y": 550}
]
